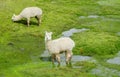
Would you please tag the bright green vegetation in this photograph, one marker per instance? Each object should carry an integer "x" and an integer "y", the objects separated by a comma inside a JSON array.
[{"x": 21, "y": 46}]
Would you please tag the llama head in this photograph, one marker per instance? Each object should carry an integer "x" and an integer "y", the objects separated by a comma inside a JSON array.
[
  {"x": 14, "y": 17},
  {"x": 48, "y": 36}
]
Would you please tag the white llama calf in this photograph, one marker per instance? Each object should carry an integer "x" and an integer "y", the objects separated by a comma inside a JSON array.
[
  {"x": 57, "y": 46},
  {"x": 28, "y": 13}
]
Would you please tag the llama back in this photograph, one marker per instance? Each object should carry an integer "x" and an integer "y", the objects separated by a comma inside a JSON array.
[
  {"x": 31, "y": 12},
  {"x": 61, "y": 44},
  {"x": 66, "y": 43}
]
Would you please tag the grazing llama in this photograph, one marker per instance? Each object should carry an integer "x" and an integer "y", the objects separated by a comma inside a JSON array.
[{"x": 28, "y": 13}]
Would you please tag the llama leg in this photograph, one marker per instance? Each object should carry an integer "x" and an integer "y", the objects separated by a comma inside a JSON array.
[
  {"x": 53, "y": 58},
  {"x": 68, "y": 57},
  {"x": 28, "y": 22},
  {"x": 58, "y": 59},
  {"x": 38, "y": 19}
]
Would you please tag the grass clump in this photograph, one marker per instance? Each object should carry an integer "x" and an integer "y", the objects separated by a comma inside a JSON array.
[
  {"x": 85, "y": 65},
  {"x": 96, "y": 43}
]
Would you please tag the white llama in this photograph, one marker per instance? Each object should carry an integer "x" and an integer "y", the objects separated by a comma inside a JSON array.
[{"x": 57, "y": 46}]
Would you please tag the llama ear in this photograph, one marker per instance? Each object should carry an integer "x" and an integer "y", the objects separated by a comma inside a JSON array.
[{"x": 46, "y": 32}]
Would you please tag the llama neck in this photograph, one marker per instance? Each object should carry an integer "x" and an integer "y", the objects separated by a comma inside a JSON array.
[
  {"x": 47, "y": 43},
  {"x": 47, "y": 40}
]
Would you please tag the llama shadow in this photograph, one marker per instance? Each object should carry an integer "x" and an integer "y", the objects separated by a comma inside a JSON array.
[
  {"x": 24, "y": 22},
  {"x": 45, "y": 58}
]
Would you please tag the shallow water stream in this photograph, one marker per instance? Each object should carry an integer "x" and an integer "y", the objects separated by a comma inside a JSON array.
[{"x": 72, "y": 31}]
